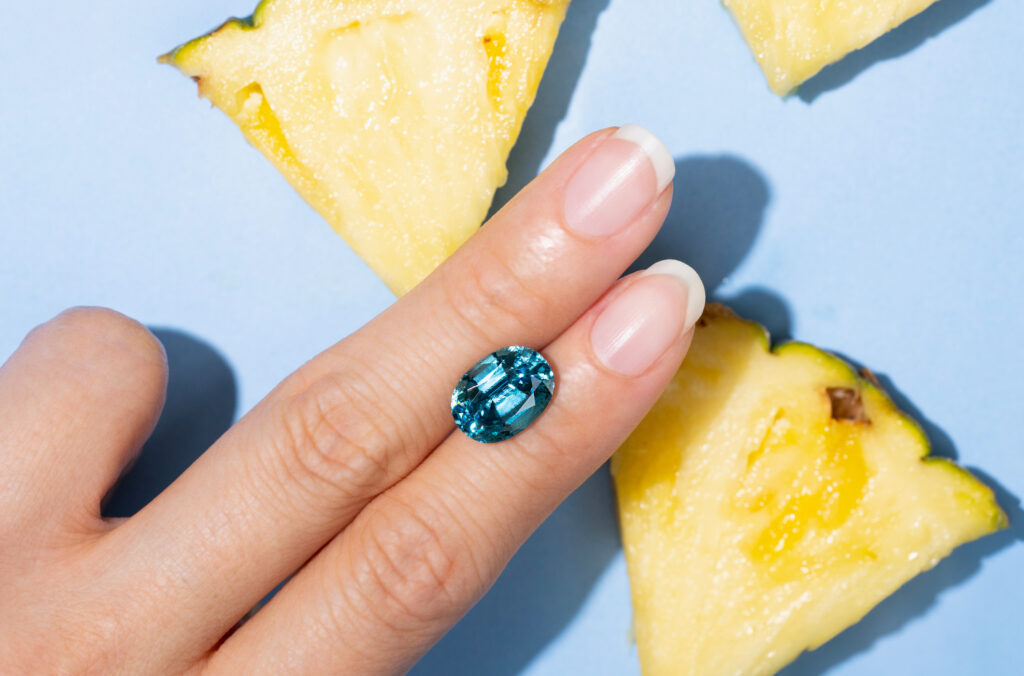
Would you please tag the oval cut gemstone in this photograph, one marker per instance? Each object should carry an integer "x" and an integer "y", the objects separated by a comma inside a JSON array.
[{"x": 503, "y": 394}]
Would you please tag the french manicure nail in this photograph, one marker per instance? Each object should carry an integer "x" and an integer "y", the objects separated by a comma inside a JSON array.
[
  {"x": 643, "y": 321},
  {"x": 696, "y": 297},
  {"x": 620, "y": 179}
]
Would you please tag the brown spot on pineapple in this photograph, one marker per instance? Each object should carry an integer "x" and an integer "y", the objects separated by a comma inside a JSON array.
[{"x": 847, "y": 405}]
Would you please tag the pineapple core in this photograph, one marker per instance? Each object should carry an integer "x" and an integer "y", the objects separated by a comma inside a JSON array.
[
  {"x": 392, "y": 119},
  {"x": 794, "y": 39},
  {"x": 771, "y": 499}
]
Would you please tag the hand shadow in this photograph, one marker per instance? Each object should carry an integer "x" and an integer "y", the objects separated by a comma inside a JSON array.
[
  {"x": 717, "y": 210},
  {"x": 201, "y": 401},
  {"x": 539, "y": 592},
  {"x": 902, "y": 39}
]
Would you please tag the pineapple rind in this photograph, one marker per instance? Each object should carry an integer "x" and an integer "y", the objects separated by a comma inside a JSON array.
[
  {"x": 180, "y": 54},
  {"x": 707, "y": 603}
]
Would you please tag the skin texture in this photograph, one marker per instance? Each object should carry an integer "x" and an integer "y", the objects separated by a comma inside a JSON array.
[{"x": 346, "y": 477}]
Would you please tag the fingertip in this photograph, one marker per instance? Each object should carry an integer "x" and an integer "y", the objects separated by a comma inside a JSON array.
[
  {"x": 89, "y": 333},
  {"x": 696, "y": 296},
  {"x": 646, "y": 316},
  {"x": 659, "y": 155}
]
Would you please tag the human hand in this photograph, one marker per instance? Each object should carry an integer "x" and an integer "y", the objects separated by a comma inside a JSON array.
[{"x": 347, "y": 476}]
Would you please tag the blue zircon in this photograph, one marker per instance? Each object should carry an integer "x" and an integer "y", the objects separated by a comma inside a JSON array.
[{"x": 503, "y": 394}]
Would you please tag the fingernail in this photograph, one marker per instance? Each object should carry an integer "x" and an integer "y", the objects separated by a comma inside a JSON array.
[
  {"x": 696, "y": 297},
  {"x": 617, "y": 182},
  {"x": 646, "y": 319}
]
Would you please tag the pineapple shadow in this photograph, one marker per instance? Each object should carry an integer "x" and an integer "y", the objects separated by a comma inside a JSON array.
[
  {"x": 202, "y": 397},
  {"x": 897, "y": 42},
  {"x": 920, "y": 594}
]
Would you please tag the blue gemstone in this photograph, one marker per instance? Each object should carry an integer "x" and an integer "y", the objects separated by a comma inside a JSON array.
[{"x": 503, "y": 394}]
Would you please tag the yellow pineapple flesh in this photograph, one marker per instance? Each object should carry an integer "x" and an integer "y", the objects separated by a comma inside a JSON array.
[
  {"x": 393, "y": 119},
  {"x": 771, "y": 499},
  {"x": 794, "y": 39}
]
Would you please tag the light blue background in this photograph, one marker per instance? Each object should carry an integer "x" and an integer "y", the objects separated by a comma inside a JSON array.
[{"x": 878, "y": 214}]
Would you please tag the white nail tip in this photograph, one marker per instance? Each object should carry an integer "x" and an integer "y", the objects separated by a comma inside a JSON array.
[
  {"x": 661, "y": 158},
  {"x": 696, "y": 296}
]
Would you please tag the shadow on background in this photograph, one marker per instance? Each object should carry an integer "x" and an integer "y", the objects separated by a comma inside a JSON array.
[
  {"x": 539, "y": 592},
  {"x": 893, "y": 44},
  {"x": 717, "y": 210},
  {"x": 201, "y": 400},
  {"x": 553, "y": 97}
]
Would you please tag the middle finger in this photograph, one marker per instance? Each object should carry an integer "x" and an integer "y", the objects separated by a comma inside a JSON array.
[{"x": 355, "y": 420}]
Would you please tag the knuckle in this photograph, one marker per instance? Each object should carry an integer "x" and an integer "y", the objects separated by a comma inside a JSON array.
[
  {"x": 334, "y": 439},
  {"x": 492, "y": 297},
  {"x": 415, "y": 567}
]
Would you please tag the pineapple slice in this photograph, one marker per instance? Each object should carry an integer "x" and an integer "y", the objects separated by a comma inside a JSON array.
[
  {"x": 793, "y": 39},
  {"x": 771, "y": 499},
  {"x": 393, "y": 119}
]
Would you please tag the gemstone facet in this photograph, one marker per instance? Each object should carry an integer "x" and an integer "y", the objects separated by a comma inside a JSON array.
[{"x": 503, "y": 394}]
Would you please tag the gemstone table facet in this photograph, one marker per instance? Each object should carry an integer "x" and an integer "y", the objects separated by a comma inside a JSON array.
[{"x": 503, "y": 394}]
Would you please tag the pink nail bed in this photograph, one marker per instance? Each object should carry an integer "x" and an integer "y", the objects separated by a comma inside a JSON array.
[
  {"x": 620, "y": 179},
  {"x": 651, "y": 314}
]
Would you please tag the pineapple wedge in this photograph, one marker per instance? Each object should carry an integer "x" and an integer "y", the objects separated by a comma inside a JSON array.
[
  {"x": 771, "y": 499},
  {"x": 392, "y": 119},
  {"x": 793, "y": 39}
]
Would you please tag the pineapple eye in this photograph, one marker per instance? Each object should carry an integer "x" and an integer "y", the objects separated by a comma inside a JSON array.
[{"x": 847, "y": 405}]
